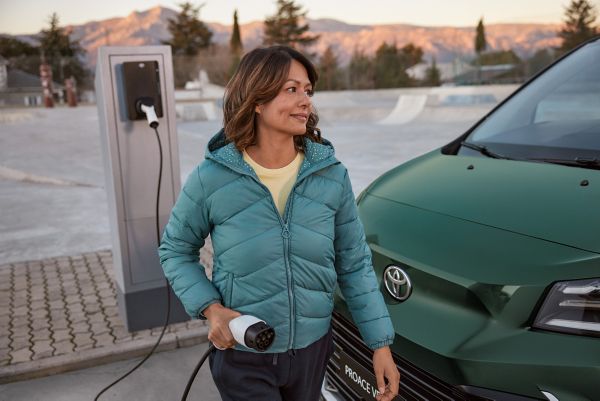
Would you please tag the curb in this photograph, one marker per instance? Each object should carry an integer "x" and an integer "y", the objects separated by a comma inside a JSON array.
[{"x": 99, "y": 356}]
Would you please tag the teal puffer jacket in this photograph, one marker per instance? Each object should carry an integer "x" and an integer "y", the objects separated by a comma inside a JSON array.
[{"x": 283, "y": 270}]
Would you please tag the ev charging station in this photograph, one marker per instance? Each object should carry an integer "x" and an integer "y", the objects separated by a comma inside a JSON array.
[{"x": 125, "y": 78}]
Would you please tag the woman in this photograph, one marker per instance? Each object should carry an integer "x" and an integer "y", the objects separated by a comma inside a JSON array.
[{"x": 284, "y": 227}]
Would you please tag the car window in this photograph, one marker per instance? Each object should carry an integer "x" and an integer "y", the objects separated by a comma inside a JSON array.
[{"x": 555, "y": 116}]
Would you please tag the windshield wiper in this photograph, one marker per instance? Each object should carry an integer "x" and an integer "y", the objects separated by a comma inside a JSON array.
[
  {"x": 483, "y": 150},
  {"x": 576, "y": 162}
]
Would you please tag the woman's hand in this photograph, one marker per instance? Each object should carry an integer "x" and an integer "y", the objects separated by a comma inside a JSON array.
[
  {"x": 218, "y": 319},
  {"x": 384, "y": 366}
]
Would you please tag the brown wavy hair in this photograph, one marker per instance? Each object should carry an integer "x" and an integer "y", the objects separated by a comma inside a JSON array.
[{"x": 258, "y": 79}]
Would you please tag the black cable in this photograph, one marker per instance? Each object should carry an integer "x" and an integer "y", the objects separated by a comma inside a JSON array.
[
  {"x": 195, "y": 372},
  {"x": 167, "y": 283}
]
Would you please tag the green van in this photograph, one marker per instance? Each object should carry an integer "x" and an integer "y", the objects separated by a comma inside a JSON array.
[{"x": 488, "y": 254}]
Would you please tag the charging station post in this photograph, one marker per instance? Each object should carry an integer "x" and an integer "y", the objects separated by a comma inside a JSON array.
[{"x": 126, "y": 78}]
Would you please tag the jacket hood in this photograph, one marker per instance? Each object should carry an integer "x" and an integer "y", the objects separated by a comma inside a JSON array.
[{"x": 223, "y": 151}]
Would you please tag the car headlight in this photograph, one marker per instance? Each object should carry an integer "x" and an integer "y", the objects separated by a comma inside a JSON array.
[{"x": 572, "y": 307}]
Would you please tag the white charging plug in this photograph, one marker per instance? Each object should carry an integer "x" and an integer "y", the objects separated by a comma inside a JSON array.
[{"x": 150, "y": 115}]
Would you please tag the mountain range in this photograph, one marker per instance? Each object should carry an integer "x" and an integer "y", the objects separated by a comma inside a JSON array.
[{"x": 445, "y": 43}]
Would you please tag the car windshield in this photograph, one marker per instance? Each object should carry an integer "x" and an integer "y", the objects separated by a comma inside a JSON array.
[{"x": 554, "y": 118}]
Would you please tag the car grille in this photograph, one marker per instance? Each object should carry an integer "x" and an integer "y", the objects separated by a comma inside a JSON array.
[{"x": 416, "y": 384}]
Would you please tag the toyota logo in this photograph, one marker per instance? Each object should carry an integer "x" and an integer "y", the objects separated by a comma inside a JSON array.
[{"x": 397, "y": 283}]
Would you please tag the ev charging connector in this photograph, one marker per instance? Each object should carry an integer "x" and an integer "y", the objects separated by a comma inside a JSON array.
[{"x": 252, "y": 332}]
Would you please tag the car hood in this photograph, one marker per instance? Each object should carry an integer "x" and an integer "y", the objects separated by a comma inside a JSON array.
[{"x": 544, "y": 201}]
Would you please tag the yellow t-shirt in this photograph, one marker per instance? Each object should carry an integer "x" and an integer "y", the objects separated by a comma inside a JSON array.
[{"x": 279, "y": 180}]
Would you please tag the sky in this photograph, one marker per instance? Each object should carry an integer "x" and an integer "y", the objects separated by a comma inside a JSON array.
[{"x": 29, "y": 16}]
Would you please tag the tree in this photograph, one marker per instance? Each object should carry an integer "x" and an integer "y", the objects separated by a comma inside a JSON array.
[
  {"x": 360, "y": 71},
  {"x": 235, "y": 43},
  {"x": 284, "y": 27},
  {"x": 62, "y": 53},
  {"x": 580, "y": 16},
  {"x": 540, "y": 60},
  {"x": 391, "y": 64},
  {"x": 480, "y": 45},
  {"x": 410, "y": 55},
  {"x": 235, "y": 46},
  {"x": 20, "y": 55},
  {"x": 188, "y": 34},
  {"x": 329, "y": 72},
  {"x": 480, "y": 42},
  {"x": 432, "y": 74}
]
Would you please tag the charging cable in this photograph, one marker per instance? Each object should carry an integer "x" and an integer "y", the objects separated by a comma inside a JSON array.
[{"x": 150, "y": 113}]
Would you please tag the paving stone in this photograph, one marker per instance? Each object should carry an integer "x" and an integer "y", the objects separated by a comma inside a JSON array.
[
  {"x": 39, "y": 314},
  {"x": 20, "y": 355},
  {"x": 111, "y": 311},
  {"x": 99, "y": 328},
  {"x": 55, "y": 295},
  {"x": 95, "y": 317},
  {"x": 93, "y": 308},
  {"x": 58, "y": 324},
  {"x": 90, "y": 299},
  {"x": 37, "y": 282},
  {"x": 19, "y": 299},
  {"x": 59, "y": 335},
  {"x": 5, "y": 307},
  {"x": 19, "y": 322},
  {"x": 63, "y": 347},
  {"x": 37, "y": 295},
  {"x": 37, "y": 305},
  {"x": 57, "y": 304},
  {"x": 40, "y": 324},
  {"x": 104, "y": 285},
  {"x": 115, "y": 321},
  {"x": 80, "y": 327},
  {"x": 20, "y": 284},
  {"x": 52, "y": 278},
  {"x": 41, "y": 335},
  {"x": 70, "y": 289},
  {"x": 21, "y": 311},
  {"x": 108, "y": 302},
  {"x": 76, "y": 307},
  {"x": 56, "y": 314},
  {"x": 42, "y": 349},
  {"x": 104, "y": 339},
  {"x": 20, "y": 342},
  {"x": 71, "y": 299},
  {"x": 83, "y": 341},
  {"x": 5, "y": 320},
  {"x": 4, "y": 341},
  {"x": 77, "y": 317},
  {"x": 87, "y": 291},
  {"x": 106, "y": 293}
]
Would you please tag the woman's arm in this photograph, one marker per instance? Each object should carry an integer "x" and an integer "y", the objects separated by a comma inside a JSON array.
[
  {"x": 356, "y": 276},
  {"x": 359, "y": 287},
  {"x": 182, "y": 239}
]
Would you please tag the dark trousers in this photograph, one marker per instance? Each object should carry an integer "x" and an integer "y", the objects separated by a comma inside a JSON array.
[{"x": 295, "y": 375}]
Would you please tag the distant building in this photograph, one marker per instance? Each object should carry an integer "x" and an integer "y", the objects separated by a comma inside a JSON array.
[
  {"x": 448, "y": 71},
  {"x": 19, "y": 88},
  {"x": 490, "y": 74}
]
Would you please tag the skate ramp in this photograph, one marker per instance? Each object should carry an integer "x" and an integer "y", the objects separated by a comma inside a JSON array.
[{"x": 407, "y": 109}]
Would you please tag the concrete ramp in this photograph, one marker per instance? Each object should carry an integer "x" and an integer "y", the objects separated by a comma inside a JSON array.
[{"x": 408, "y": 107}]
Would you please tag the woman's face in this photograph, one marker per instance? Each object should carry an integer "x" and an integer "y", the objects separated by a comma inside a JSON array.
[{"x": 288, "y": 112}]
